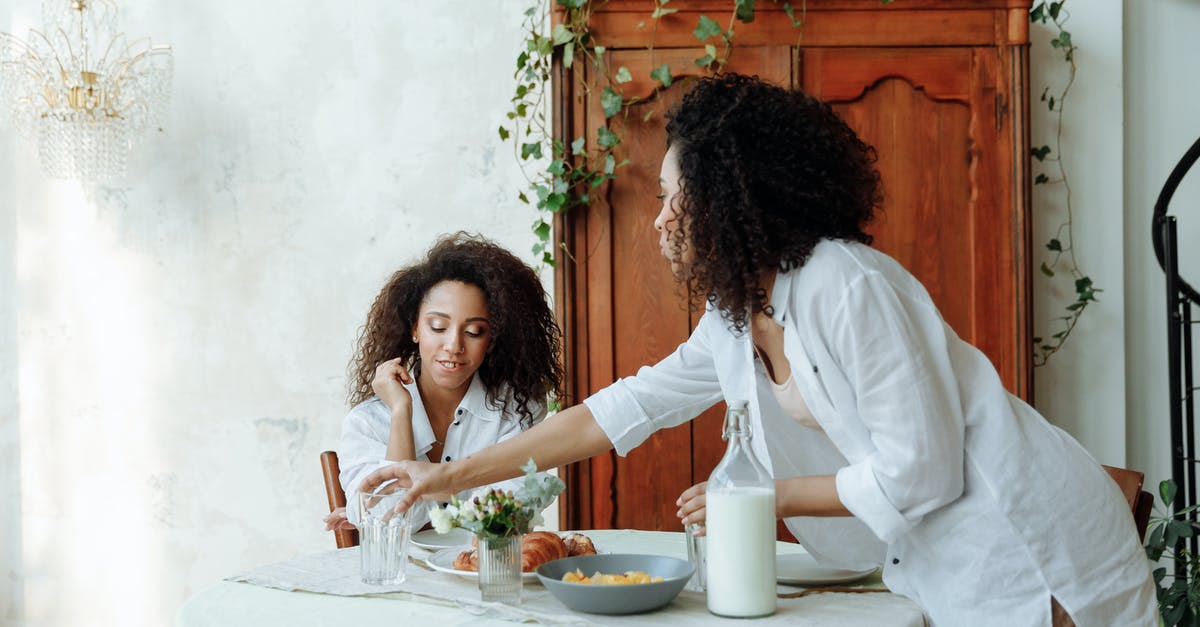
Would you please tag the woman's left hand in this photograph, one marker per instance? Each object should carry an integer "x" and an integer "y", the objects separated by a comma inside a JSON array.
[
  {"x": 337, "y": 520},
  {"x": 691, "y": 506}
]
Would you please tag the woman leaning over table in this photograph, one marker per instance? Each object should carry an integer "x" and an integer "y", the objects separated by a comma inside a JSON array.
[
  {"x": 990, "y": 515},
  {"x": 459, "y": 351}
]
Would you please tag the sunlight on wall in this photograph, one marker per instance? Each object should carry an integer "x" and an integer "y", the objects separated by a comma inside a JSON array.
[{"x": 83, "y": 381}]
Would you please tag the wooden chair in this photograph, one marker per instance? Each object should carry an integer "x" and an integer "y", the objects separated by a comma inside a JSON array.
[
  {"x": 337, "y": 498},
  {"x": 1140, "y": 502}
]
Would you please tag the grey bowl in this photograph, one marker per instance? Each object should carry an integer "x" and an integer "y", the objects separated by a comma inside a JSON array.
[{"x": 622, "y": 599}]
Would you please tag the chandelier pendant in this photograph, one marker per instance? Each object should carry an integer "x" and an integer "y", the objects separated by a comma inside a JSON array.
[{"x": 82, "y": 90}]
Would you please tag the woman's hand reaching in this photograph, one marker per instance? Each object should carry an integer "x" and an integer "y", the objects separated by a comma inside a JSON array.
[
  {"x": 423, "y": 480},
  {"x": 691, "y": 506}
]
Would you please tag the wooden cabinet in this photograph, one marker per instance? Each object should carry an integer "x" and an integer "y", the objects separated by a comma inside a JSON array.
[{"x": 939, "y": 87}]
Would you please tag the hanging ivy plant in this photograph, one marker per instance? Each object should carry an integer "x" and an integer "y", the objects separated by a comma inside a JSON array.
[{"x": 1062, "y": 245}]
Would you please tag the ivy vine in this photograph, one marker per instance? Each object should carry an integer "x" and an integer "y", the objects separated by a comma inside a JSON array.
[
  {"x": 1062, "y": 244},
  {"x": 563, "y": 176}
]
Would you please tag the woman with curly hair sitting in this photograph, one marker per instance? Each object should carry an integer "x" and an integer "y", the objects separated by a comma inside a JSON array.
[
  {"x": 459, "y": 351},
  {"x": 983, "y": 512}
]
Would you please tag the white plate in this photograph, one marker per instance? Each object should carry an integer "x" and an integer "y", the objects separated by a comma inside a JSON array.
[
  {"x": 802, "y": 569},
  {"x": 434, "y": 541},
  {"x": 443, "y": 561}
]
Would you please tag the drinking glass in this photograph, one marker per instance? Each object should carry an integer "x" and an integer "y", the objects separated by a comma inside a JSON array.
[
  {"x": 382, "y": 536},
  {"x": 695, "y": 553}
]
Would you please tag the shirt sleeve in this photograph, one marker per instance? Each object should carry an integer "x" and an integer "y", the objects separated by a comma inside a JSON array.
[
  {"x": 667, "y": 394},
  {"x": 892, "y": 346},
  {"x": 360, "y": 452}
]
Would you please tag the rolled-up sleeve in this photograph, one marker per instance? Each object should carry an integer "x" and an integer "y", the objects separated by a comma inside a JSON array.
[
  {"x": 892, "y": 345},
  {"x": 360, "y": 452},
  {"x": 667, "y": 394}
]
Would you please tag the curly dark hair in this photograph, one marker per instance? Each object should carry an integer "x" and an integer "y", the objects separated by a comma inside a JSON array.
[
  {"x": 524, "y": 354},
  {"x": 765, "y": 174}
]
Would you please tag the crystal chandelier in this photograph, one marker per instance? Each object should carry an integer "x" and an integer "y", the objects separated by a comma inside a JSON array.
[{"x": 82, "y": 90}]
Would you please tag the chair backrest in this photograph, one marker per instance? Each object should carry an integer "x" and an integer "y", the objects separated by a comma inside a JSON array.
[
  {"x": 1140, "y": 502},
  {"x": 337, "y": 498}
]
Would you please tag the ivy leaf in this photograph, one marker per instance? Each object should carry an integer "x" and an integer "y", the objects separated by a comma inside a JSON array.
[
  {"x": 662, "y": 74},
  {"x": 531, "y": 150},
  {"x": 1041, "y": 178},
  {"x": 573, "y": 4},
  {"x": 1046, "y": 269},
  {"x": 649, "y": 114},
  {"x": 1083, "y": 285},
  {"x": 558, "y": 166},
  {"x": 577, "y": 146},
  {"x": 1055, "y": 7},
  {"x": 599, "y": 50},
  {"x": 661, "y": 10},
  {"x": 610, "y": 164},
  {"x": 568, "y": 57},
  {"x": 611, "y": 101},
  {"x": 1040, "y": 153},
  {"x": 606, "y": 138},
  {"x": 791, "y": 13},
  {"x": 523, "y": 198},
  {"x": 1038, "y": 13},
  {"x": 1054, "y": 245},
  {"x": 743, "y": 10},
  {"x": 503, "y": 133},
  {"x": 705, "y": 61},
  {"x": 561, "y": 35},
  {"x": 1051, "y": 105},
  {"x": 623, "y": 75},
  {"x": 548, "y": 259},
  {"x": 710, "y": 50},
  {"x": 706, "y": 28},
  {"x": 542, "y": 230},
  {"x": 522, "y": 59}
]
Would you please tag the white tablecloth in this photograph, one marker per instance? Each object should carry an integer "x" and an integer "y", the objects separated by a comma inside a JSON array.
[{"x": 442, "y": 599}]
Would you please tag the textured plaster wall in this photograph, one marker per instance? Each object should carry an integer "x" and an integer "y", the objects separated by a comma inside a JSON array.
[{"x": 178, "y": 340}]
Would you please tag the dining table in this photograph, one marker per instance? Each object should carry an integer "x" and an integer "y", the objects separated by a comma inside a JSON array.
[{"x": 324, "y": 589}]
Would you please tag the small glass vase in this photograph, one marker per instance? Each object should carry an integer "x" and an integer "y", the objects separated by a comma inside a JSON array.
[{"x": 500, "y": 569}]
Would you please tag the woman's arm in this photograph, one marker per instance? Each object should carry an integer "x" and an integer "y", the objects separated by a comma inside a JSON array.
[{"x": 568, "y": 436}]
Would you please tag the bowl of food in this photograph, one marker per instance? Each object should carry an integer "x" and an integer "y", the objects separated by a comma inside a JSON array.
[{"x": 615, "y": 583}]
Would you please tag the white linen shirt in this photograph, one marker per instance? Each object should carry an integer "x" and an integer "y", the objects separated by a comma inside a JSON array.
[
  {"x": 986, "y": 509},
  {"x": 477, "y": 425}
]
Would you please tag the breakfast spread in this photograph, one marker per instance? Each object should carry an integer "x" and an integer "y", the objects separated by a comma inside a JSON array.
[
  {"x": 537, "y": 548},
  {"x": 628, "y": 577}
]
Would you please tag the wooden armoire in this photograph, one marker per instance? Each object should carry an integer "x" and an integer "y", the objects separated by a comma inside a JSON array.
[{"x": 939, "y": 87}]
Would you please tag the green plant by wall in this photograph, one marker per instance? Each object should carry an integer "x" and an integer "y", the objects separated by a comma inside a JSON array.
[
  {"x": 1178, "y": 590},
  {"x": 1062, "y": 245}
]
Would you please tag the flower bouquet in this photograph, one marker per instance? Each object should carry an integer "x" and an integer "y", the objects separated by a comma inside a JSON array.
[{"x": 499, "y": 519}]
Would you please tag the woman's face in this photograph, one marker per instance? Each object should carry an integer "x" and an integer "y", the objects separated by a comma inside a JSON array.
[
  {"x": 668, "y": 223},
  {"x": 452, "y": 333}
]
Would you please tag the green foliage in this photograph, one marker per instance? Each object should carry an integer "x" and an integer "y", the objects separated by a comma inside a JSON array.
[
  {"x": 499, "y": 514},
  {"x": 1061, "y": 245},
  {"x": 1178, "y": 596}
]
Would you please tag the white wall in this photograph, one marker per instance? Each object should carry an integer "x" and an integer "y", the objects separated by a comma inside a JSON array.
[
  {"x": 183, "y": 335},
  {"x": 1082, "y": 387},
  {"x": 1162, "y": 103}
]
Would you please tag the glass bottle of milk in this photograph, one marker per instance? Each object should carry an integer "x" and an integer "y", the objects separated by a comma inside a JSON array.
[{"x": 740, "y": 506}]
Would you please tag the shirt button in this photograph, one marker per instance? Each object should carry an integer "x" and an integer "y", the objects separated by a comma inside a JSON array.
[
  {"x": 814, "y": 368},
  {"x": 455, "y": 423},
  {"x": 460, "y": 411},
  {"x": 895, "y": 560},
  {"x": 447, "y": 458}
]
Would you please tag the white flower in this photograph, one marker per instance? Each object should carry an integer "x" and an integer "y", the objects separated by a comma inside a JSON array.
[{"x": 443, "y": 520}]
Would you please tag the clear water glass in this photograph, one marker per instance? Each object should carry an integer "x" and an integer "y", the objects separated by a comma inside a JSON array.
[
  {"x": 695, "y": 553},
  {"x": 382, "y": 536}
]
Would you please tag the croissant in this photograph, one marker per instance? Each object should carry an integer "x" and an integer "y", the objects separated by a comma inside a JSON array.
[
  {"x": 579, "y": 544},
  {"x": 539, "y": 547}
]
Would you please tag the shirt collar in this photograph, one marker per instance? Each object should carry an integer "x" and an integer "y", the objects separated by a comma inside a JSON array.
[{"x": 473, "y": 403}]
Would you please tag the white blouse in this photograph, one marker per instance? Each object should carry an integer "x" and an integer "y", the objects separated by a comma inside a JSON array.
[
  {"x": 476, "y": 426},
  {"x": 986, "y": 508}
]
